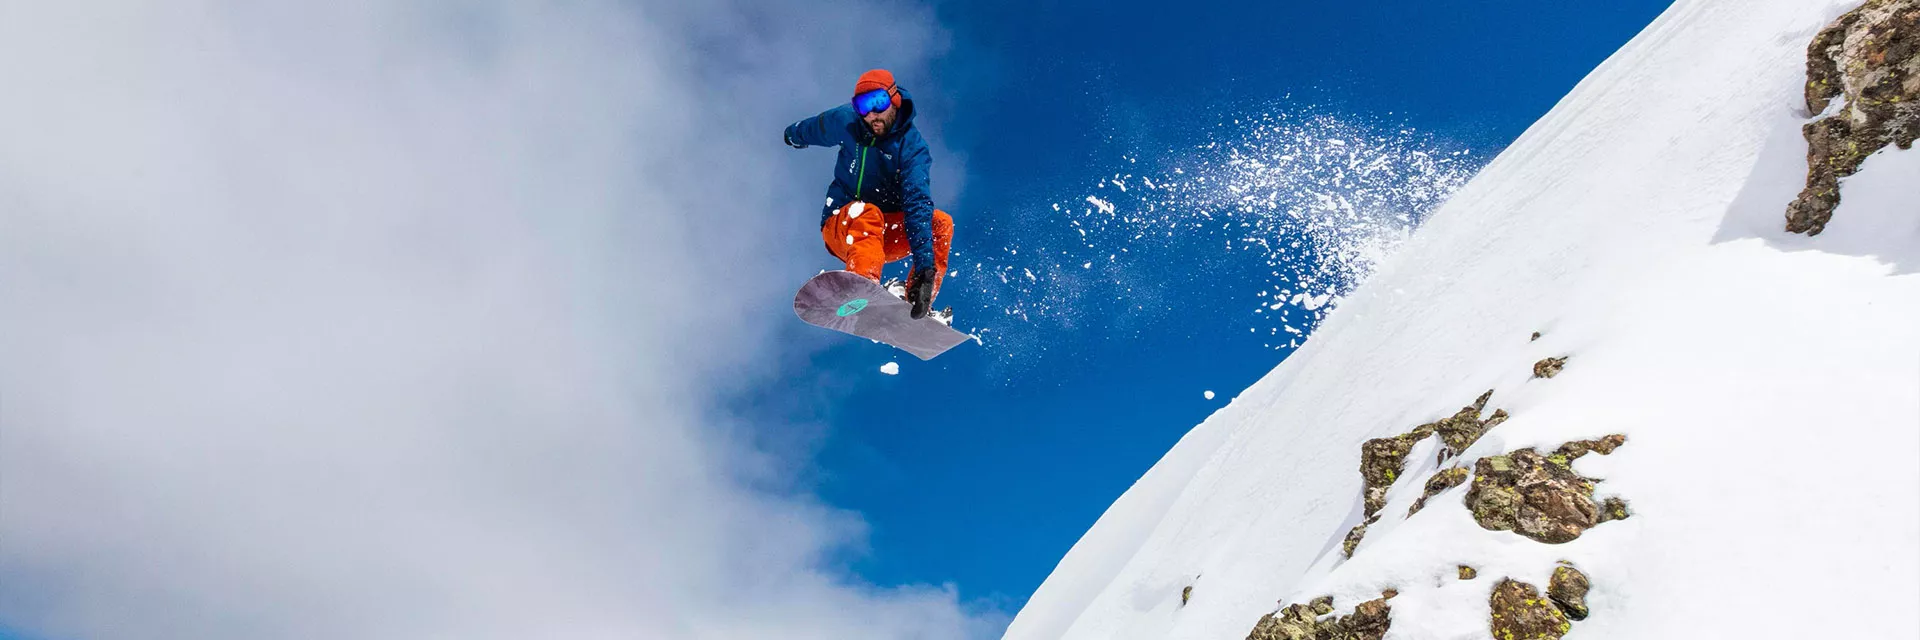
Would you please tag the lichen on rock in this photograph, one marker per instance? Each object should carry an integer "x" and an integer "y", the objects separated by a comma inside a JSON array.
[
  {"x": 1519, "y": 613},
  {"x": 1440, "y": 481},
  {"x": 1602, "y": 446},
  {"x": 1355, "y": 534},
  {"x": 1468, "y": 573},
  {"x": 1321, "y": 606},
  {"x": 1369, "y": 621},
  {"x": 1568, "y": 590},
  {"x": 1549, "y": 367},
  {"x": 1614, "y": 508},
  {"x": 1540, "y": 497},
  {"x": 1381, "y": 462},
  {"x": 1465, "y": 427},
  {"x": 1869, "y": 60}
]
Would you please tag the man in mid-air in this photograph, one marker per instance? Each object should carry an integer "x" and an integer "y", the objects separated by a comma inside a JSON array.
[{"x": 879, "y": 207}]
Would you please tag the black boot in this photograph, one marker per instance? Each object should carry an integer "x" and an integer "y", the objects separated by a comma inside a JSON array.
[{"x": 920, "y": 292}]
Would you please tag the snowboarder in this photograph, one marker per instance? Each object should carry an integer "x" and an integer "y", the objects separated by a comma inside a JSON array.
[{"x": 879, "y": 207}]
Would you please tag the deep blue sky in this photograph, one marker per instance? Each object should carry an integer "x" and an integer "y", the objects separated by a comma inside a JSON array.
[{"x": 983, "y": 467}]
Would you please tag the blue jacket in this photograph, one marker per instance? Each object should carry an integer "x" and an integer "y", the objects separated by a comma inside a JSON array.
[{"x": 888, "y": 171}]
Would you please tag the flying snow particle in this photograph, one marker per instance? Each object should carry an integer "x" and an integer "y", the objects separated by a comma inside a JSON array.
[
  {"x": 893, "y": 369},
  {"x": 1102, "y": 205},
  {"x": 1208, "y": 393}
]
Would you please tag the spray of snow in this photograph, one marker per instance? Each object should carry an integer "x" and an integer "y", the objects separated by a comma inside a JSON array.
[
  {"x": 1272, "y": 219},
  {"x": 891, "y": 368}
]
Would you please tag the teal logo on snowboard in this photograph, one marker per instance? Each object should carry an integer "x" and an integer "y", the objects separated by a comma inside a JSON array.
[{"x": 852, "y": 307}]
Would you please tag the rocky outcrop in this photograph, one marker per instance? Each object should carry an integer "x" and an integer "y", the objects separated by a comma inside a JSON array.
[
  {"x": 1549, "y": 367},
  {"x": 1540, "y": 496},
  {"x": 1519, "y": 613},
  {"x": 1869, "y": 62},
  {"x": 1312, "y": 621},
  {"x": 1614, "y": 508},
  {"x": 1465, "y": 427},
  {"x": 1568, "y": 590},
  {"x": 1440, "y": 481},
  {"x": 1382, "y": 460},
  {"x": 1602, "y": 446},
  {"x": 1354, "y": 536}
]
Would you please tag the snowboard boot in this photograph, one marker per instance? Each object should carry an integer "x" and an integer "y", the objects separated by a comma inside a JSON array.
[{"x": 920, "y": 293}]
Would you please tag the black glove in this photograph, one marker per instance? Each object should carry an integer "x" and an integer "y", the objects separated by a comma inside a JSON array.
[
  {"x": 920, "y": 292},
  {"x": 787, "y": 137}
]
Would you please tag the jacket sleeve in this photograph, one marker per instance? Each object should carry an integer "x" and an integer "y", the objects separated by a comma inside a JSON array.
[
  {"x": 829, "y": 129},
  {"x": 919, "y": 204}
]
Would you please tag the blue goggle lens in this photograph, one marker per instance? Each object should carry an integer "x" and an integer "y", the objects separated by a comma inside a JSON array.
[{"x": 874, "y": 101}]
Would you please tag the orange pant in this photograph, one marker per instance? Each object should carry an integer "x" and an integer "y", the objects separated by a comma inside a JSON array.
[{"x": 867, "y": 239}]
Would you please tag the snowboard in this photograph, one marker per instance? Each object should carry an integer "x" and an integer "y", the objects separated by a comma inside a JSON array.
[{"x": 847, "y": 302}]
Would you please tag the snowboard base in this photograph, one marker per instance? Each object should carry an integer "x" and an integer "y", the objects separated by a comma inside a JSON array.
[{"x": 847, "y": 302}]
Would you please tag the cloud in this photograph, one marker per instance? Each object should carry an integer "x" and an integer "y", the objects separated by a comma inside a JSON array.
[{"x": 365, "y": 319}]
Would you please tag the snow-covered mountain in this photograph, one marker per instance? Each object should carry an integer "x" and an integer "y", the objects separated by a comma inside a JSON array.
[{"x": 1680, "y": 418}]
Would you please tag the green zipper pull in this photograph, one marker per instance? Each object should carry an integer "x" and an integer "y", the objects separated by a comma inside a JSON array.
[{"x": 862, "y": 180}]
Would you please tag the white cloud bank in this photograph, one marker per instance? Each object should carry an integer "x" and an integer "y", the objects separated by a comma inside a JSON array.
[{"x": 404, "y": 320}]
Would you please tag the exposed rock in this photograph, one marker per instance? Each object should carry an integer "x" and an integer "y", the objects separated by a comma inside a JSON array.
[
  {"x": 1291, "y": 622},
  {"x": 1537, "y": 496},
  {"x": 1369, "y": 621},
  {"x": 1468, "y": 573},
  {"x": 1869, "y": 59},
  {"x": 1602, "y": 446},
  {"x": 1382, "y": 460},
  {"x": 1568, "y": 589},
  {"x": 1322, "y": 605},
  {"x": 1613, "y": 508},
  {"x": 1186, "y": 593},
  {"x": 1355, "y": 534},
  {"x": 1536, "y": 336},
  {"x": 1440, "y": 481},
  {"x": 1549, "y": 367},
  {"x": 1519, "y": 613},
  {"x": 1465, "y": 427}
]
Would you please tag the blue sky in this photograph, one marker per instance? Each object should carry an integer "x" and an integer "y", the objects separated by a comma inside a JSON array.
[{"x": 982, "y": 467}]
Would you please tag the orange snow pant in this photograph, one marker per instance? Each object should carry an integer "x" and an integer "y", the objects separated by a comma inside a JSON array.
[{"x": 867, "y": 239}]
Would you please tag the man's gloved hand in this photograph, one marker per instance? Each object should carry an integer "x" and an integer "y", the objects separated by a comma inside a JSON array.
[
  {"x": 920, "y": 292},
  {"x": 787, "y": 137}
]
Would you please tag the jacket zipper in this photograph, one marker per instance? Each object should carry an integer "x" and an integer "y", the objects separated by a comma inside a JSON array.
[{"x": 862, "y": 180}]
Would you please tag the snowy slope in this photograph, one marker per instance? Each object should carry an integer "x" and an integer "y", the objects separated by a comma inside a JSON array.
[{"x": 1769, "y": 384}]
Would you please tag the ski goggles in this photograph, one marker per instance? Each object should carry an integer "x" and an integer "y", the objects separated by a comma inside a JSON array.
[{"x": 875, "y": 101}]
